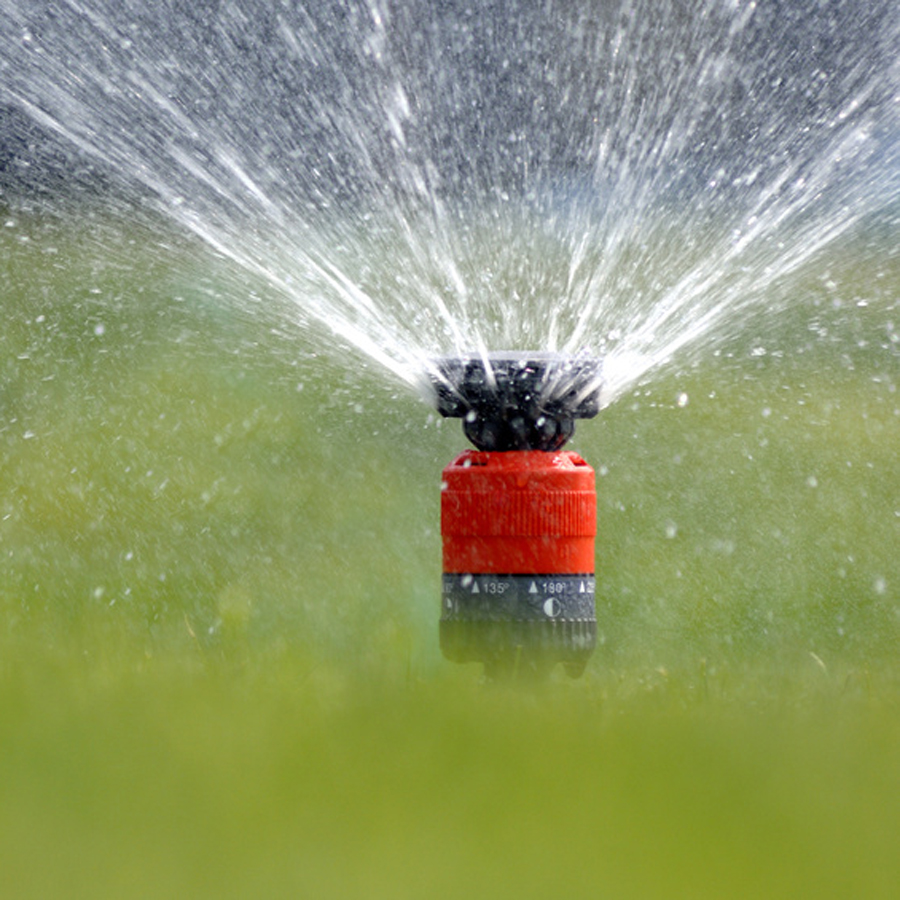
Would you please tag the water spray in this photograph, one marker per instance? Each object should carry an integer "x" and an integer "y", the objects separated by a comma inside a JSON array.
[{"x": 518, "y": 513}]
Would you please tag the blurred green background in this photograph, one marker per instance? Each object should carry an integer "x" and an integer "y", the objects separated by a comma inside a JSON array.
[{"x": 219, "y": 580}]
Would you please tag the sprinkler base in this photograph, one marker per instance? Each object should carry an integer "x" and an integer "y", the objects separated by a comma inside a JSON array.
[
  {"x": 518, "y": 585},
  {"x": 519, "y": 625}
]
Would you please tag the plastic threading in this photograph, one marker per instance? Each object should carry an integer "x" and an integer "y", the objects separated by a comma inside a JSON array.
[{"x": 518, "y": 512}]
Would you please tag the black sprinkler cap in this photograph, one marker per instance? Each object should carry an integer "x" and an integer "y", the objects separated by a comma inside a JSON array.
[{"x": 517, "y": 400}]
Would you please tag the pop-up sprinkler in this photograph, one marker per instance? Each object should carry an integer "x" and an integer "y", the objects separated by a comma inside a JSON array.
[{"x": 518, "y": 514}]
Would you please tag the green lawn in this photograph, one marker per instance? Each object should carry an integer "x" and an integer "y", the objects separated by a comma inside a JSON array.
[{"x": 219, "y": 577}]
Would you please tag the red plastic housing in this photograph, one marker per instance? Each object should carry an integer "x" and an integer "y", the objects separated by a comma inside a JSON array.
[{"x": 518, "y": 512}]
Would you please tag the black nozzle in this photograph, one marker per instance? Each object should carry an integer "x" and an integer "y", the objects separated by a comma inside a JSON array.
[{"x": 517, "y": 400}]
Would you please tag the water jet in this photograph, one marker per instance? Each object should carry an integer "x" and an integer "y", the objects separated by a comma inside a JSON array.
[{"x": 518, "y": 514}]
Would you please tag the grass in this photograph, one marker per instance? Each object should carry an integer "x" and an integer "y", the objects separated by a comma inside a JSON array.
[{"x": 219, "y": 673}]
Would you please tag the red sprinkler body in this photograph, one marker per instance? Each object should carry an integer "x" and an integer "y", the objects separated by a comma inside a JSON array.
[{"x": 518, "y": 515}]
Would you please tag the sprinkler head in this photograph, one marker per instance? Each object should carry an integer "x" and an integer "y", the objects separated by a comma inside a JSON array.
[
  {"x": 517, "y": 401},
  {"x": 518, "y": 515}
]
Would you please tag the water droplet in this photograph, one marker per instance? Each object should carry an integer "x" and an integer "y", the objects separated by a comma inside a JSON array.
[{"x": 682, "y": 400}]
